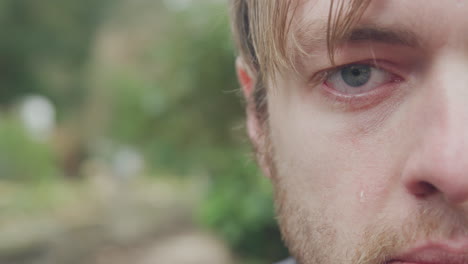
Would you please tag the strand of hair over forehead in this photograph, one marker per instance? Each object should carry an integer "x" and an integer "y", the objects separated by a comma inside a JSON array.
[
  {"x": 341, "y": 18},
  {"x": 272, "y": 21},
  {"x": 269, "y": 22},
  {"x": 268, "y": 39}
]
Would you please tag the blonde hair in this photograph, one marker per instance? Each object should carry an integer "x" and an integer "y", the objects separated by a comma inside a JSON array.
[{"x": 261, "y": 28}]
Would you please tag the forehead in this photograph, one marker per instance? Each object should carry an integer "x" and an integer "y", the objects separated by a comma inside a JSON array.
[{"x": 435, "y": 22}]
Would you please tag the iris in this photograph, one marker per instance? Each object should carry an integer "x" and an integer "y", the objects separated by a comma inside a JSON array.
[{"x": 356, "y": 75}]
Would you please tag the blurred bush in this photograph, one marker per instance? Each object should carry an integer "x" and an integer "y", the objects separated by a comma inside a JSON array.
[
  {"x": 23, "y": 159},
  {"x": 44, "y": 48},
  {"x": 154, "y": 75},
  {"x": 239, "y": 207},
  {"x": 179, "y": 105},
  {"x": 186, "y": 105},
  {"x": 206, "y": 122}
]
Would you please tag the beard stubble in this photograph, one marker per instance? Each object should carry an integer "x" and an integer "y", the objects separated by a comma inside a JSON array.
[{"x": 312, "y": 237}]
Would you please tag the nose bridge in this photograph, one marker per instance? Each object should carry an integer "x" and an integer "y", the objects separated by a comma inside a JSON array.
[
  {"x": 440, "y": 159},
  {"x": 448, "y": 114}
]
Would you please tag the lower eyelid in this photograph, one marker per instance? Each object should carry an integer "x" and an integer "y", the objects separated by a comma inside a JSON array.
[{"x": 361, "y": 101}]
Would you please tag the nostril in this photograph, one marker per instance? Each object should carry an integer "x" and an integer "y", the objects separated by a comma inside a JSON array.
[{"x": 423, "y": 189}]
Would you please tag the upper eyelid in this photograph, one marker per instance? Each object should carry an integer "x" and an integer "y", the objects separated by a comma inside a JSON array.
[{"x": 338, "y": 68}]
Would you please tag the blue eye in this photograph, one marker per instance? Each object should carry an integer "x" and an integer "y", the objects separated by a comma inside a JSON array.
[
  {"x": 357, "y": 78},
  {"x": 356, "y": 75}
]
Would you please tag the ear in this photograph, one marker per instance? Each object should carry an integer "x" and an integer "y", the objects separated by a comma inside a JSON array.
[
  {"x": 255, "y": 130},
  {"x": 246, "y": 78}
]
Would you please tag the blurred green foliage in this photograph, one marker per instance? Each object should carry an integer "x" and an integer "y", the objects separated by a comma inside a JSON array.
[
  {"x": 205, "y": 119},
  {"x": 175, "y": 100},
  {"x": 21, "y": 158},
  {"x": 191, "y": 104},
  {"x": 239, "y": 206},
  {"x": 44, "y": 47},
  {"x": 44, "y": 50}
]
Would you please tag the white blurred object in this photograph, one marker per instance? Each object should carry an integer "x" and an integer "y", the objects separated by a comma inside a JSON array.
[
  {"x": 37, "y": 113},
  {"x": 127, "y": 163}
]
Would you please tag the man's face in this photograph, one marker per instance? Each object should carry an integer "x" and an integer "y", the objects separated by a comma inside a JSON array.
[{"x": 370, "y": 156}]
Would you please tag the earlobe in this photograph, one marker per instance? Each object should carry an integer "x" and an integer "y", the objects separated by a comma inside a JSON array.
[{"x": 246, "y": 79}]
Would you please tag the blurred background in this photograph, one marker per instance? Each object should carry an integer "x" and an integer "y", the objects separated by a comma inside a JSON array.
[{"x": 122, "y": 137}]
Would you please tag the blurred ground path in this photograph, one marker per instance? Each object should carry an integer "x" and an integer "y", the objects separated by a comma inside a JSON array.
[
  {"x": 103, "y": 222},
  {"x": 186, "y": 248}
]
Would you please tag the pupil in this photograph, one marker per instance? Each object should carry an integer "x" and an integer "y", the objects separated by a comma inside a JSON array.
[
  {"x": 356, "y": 72},
  {"x": 356, "y": 75}
]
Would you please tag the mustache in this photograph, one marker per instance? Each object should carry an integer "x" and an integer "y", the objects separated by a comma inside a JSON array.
[{"x": 382, "y": 241}]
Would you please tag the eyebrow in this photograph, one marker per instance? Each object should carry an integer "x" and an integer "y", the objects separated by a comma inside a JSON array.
[
  {"x": 312, "y": 36},
  {"x": 392, "y": 36}
]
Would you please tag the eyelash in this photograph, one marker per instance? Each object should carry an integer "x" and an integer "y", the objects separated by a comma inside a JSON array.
[{"x": 361, "y": 100}]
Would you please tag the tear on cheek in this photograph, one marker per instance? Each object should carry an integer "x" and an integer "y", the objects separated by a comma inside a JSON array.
[
  {"x": 373, "y": 193},
  {"x": 362, "y": 196}
]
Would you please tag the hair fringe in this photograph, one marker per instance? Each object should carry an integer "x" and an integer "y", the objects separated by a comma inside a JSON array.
[{"x": 261, "y": 31}]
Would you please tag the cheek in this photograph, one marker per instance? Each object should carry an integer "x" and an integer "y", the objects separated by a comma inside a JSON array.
[{"x": 348, "y": 163}]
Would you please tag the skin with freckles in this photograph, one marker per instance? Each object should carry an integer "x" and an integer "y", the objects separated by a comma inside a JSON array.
[{"x": 369, "y": 156}]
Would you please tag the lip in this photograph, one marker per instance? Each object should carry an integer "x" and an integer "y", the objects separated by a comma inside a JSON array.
[{"x": 435, "y": 253}]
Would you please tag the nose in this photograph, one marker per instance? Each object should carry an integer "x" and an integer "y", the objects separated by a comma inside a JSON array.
[{"x": 438, "y": 162}]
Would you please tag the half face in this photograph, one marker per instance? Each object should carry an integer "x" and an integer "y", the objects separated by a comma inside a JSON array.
[{"x": 371, "y": 154}]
